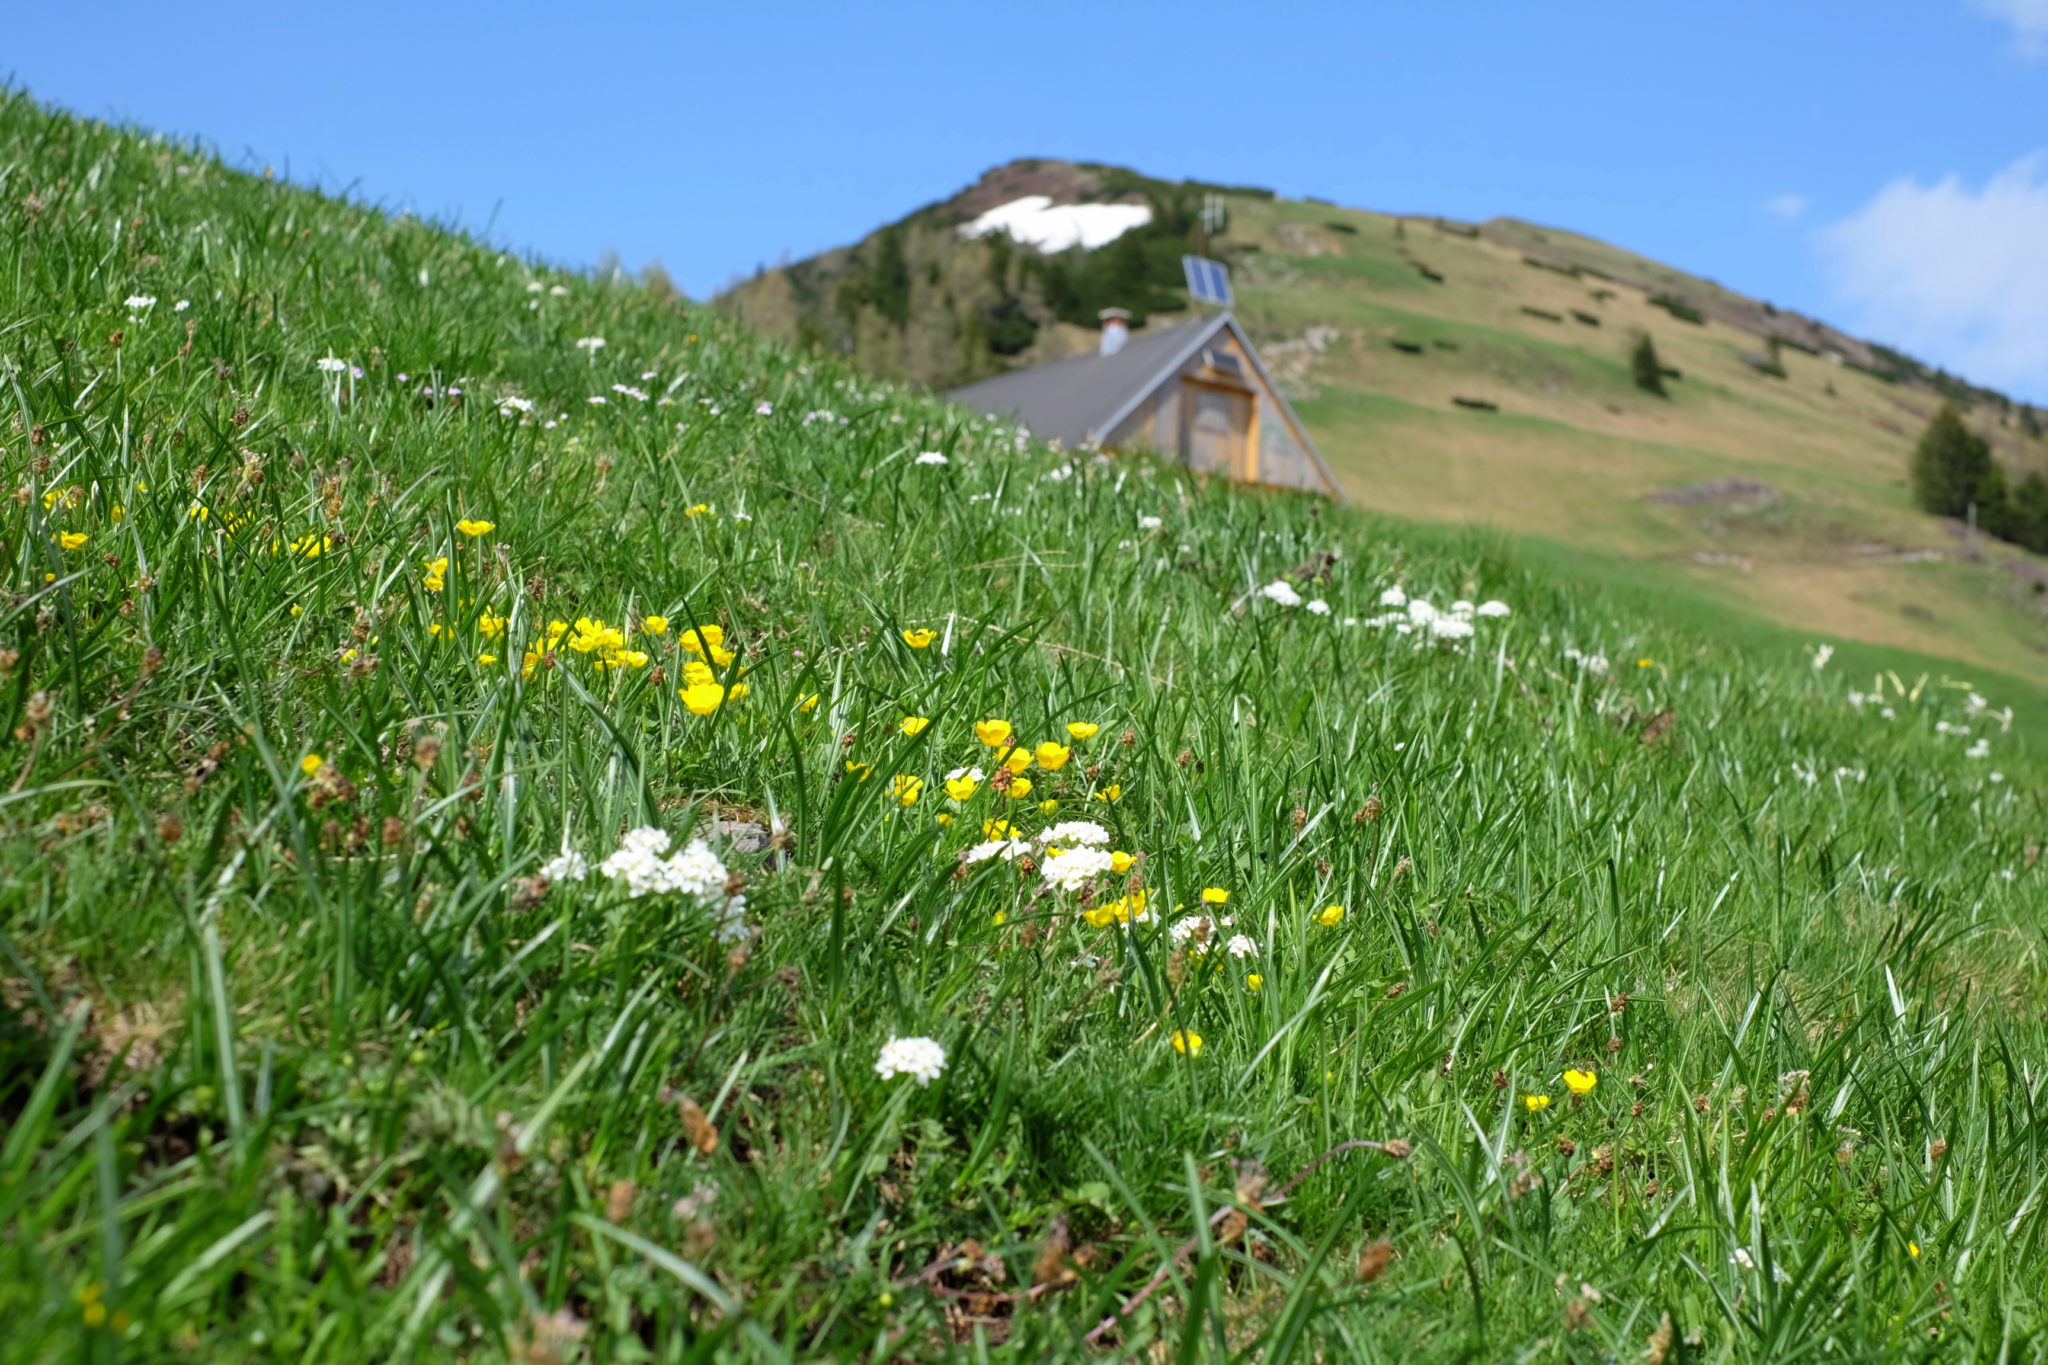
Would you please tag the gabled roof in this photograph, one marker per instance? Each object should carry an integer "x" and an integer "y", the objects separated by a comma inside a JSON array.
[
  {"x": 1075, "y": 401},
  {"x": 1080, "y": 400}
]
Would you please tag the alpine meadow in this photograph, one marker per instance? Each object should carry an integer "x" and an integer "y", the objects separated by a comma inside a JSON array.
[{"x": 537, "y": 825}]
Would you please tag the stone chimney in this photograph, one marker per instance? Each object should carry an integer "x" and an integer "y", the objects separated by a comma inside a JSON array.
[{"x": 1116, "y": 329}]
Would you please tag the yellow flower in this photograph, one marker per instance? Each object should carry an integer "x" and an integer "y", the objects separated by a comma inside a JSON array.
[
  {"x": 998, "y": 829},
  {"x": 311, "y": 763},
  {"x": 1254, "y": 983},
  {"x": 1215, "y": 895},
  {"x": 863, "y": 771},
  {"x": 703, "y": 698},
  {"x": 697, "y": 509},
  {"x": 1580, "y": 1082},
  {"x": 736, "y": 691},
  {"x": 994, "y": 733},
  {"x": 490, "y": 625},
  {"x": 918, "y": 639},
  {"x": 1017, "y": 760},
  {"x": 1103, "y": 915},
  {"x": 1187, "y": 1041},
  {"x": 1109, "y": 793},
  {"x": 312, "y": 546},
  {"x": 1019, "y": 789},
  {"x": 914, "y": 725},
  {"x": 804, "y": 704},
  {"x": 1082, "y": 729},
  {"x": 437, "y": 630},
  {"x": 906, "y": 789},
  {"x": 197, "y": 512},
  {"x": 1052, "y": 757},
  {"x": 1048, "y": 805},
  {"x": 475, "y": 528},
  {"x": 298, "y": 610},
  {"x": 696, "y": 674},
  {"x": 702, "y": 640},
  {"x": 963, "y": 786},
  {"x": 1913, "y": 1250},
  {"x": 1002, "y": 918},
  {"x": 654, "y": 625},
  {"x": 486, "y": 660},
  {"x": 944, "y": 818},
  {"x": 1646, "y": 663},
  {"x": 1330, "y": 916},
  {"x": 73, "y": 540},
  {"x": 436, "y": 574},
  {"x": 1535, "y": 1104},
  {"x": 120, "y": 513},
  {"x": 1120, "y": 861}
]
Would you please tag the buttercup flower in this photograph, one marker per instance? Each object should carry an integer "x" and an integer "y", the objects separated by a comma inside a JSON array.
[
  {"x": 1018, "y": 789},
  {"x": 703, "y": 698},
  {"x": 962, "y": 783},
  {"x": 1186, "y": 1041},
  {"x": 1109, "y": 793},
  {"x": 654, "y": 625},
  {"x": 72, "y": 540},
  {"x": 906, "y": 789},
  {"x": 1120, "y": 862},
  {"x": 914, "y": 725},
  {"x": 918, "y": 639},
  {"x": 475, "y": 528},
  {"x": 1017, "y": 760},
  {"x": 1082, "y": 729},
  {"x": 311, "y": 764},
  {"x": 1330, "y": 916},
  {"x": 994, "y": 733},
  {"x": 1253, "y": 982},
  {"x": 807, "y": 704},
  {"x": 1580, "y": 1082},
  {"x": 1052, "y": 757},
  {"x": 1535, "y": 1104},
  {"x": 1215, "y": 895},
  {"x": 436, "y": 576}
]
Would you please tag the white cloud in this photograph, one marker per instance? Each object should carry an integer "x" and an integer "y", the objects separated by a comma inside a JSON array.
[
  {"x": 1955, "y": 275},
  {"x": 1035, "y": 219},
  {"x": 1785, "y": 205},
  {"x": 2029, "y": 20}
]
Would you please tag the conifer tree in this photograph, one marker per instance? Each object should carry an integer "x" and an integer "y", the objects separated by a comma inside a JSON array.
[
  {"x": 1951, "y": 466},
  {"x": 1649, "y": 370}
]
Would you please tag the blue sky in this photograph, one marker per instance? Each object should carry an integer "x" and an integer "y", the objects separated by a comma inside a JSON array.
[{"x": 1883, "y": 165}]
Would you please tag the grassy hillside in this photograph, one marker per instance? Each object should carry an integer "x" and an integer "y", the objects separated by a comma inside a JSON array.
[
  {"x": 1575, "y": 983},
  {"x": 1379, "y": 324}
]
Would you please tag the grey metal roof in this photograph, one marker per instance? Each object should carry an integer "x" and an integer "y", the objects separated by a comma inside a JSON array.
[{"x": 1075, "y": 400}]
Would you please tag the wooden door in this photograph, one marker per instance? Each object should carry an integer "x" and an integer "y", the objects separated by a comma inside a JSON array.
[{"x": 1216, "y": 429}]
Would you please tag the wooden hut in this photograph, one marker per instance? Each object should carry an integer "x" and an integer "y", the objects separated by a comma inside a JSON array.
[{"x": 1195, "y": 393}]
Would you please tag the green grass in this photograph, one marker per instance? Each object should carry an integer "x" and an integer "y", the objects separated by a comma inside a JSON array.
[{"x": 310, "y": 1067}]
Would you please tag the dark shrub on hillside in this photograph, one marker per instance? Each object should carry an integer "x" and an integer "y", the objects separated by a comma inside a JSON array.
[
  {"x": 1456, "y": 229},
  {"x": 1339, "y": 225},
  {"x": 1647, "y": 369},
  {"x": 1476, "y": 404},
  {"x": 1543, "y": 313},
  {"x": 1406, "y": 347},
  {"x": 2028, "y": 513},
  {"x": 882, "y": 284},
  {"x": 1678, "y": 308},
  {"x": 1426, "y": 272},
  {"x": 1951, "y": 466},
  {"x": 1591, "y": 320}
]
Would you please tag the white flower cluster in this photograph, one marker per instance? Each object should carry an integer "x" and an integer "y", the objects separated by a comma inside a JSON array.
[
  {"x": 590, "y": 344},
  {"x": 1074, "y": 832},
  {"x": 566, "y": 866},
  {"x": 1592, "y": 663},
  {"x": 1071, "y": 868},
  {"x": 921, "y": 1058},
  {"x": 330, "y": 365},
  {"x": 695, "y": 872},
  {"x": 1411, "y": 615},
  {"x": 141, "y": 301},
  {"x": 1009, "y": 850},
  {"x": 931, "y": 457},
  {"x": 1281, "y": 591}
]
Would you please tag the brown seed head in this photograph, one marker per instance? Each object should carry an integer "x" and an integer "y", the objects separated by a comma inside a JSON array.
[{"x": 1373, "y": 1261}]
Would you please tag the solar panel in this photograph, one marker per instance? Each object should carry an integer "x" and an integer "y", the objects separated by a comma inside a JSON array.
[{"x": 1208, "y": 281}]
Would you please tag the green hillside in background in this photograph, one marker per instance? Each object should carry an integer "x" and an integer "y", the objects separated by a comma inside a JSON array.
[{"x": 1771, "y": 481}]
